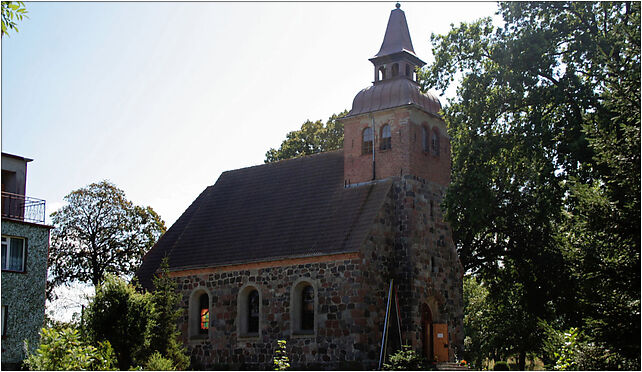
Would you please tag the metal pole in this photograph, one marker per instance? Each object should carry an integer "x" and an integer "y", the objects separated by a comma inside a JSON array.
[{"x": 384, "y": 339}]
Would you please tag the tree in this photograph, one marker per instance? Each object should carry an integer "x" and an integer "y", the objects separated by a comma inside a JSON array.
[
  {"x": 165, "y": 334},
  {"x": 141, "y": 326},
  {"x": 545, "y": 188},
  {"x": 312, "y": 138},
  {"x": 124, "y": 317},
  {"x": 99, "y": 232},
  {"x": 12, "y": 11}
]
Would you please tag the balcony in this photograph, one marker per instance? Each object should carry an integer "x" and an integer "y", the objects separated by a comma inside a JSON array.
[{"x": 23, "y": 208}]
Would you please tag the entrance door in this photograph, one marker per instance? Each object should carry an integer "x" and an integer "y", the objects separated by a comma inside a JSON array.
[{"x": 440, "y": 341}]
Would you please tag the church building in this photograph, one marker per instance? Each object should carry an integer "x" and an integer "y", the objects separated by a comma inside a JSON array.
[{"x": 337, "y": 253}]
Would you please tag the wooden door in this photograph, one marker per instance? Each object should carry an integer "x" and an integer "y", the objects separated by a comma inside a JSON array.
[{"x": 440, "y": 341}]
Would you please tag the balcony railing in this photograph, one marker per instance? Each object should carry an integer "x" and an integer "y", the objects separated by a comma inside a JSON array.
[{"x": 23, "y": 208}]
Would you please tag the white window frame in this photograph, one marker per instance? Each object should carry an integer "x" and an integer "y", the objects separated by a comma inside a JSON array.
[{"x": 8, "y": 247}]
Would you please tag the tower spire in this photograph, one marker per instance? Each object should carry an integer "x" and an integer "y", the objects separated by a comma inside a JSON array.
[
  {"x": 396, "y": 57},
  {"x": 397, "y": 37}
]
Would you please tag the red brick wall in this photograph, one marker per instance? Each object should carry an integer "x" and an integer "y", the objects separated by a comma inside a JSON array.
[{"x": 406, "y": 156}]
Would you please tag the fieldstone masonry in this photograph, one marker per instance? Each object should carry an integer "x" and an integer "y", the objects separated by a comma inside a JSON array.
[{"x": 351, "y": 293}]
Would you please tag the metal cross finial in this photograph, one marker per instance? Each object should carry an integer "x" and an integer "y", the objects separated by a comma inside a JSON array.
[{"x": 398, "y": 5}]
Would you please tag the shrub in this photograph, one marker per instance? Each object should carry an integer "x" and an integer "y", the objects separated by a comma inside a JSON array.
[
  {"x": 501, "y": 366},
  {"x": 405, "y": 359},
  {"x": 156, "y": 362},
  {"x": 63, "y": 349}
]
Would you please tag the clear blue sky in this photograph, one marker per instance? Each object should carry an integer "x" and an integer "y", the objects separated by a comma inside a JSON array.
[{"x": 160, "y": 98}]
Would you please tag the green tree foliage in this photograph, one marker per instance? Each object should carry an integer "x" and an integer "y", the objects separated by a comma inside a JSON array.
[
  {"x": 405, "y": 359},
  {"x": 64, "y": 350},
  {"x": 98, "y": 232},
  {"x": 159, "y": 363},
  {"x": 477, "y": 329},
  {"x": 138, "y": 324},
  {"x": 312, "y": 138},
  {"x": 124, "y": 317},
  {"x": 12, "y": 12},
  {"x": 164, "y": 334},
  {"x": 545, "y": 193}
]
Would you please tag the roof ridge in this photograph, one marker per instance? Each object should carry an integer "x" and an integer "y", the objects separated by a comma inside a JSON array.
[{"x": 283, "y": 161}]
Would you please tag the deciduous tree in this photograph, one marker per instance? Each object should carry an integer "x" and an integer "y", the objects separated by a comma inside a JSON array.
[
  {"x": 12, "y": 12},
  {"x": 545, "y": 187},
  {"x": 312, "y": 138},
  {"x": 98, "y": 232}
]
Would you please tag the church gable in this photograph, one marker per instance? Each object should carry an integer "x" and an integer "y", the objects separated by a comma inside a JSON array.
[{"x": 294, "y": 208}]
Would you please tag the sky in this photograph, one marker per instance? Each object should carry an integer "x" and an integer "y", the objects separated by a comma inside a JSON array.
[{"x": 161, "y": 97}]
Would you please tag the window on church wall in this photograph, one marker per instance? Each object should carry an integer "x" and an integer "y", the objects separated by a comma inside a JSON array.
[
  {"x": 199, "y": 314},
  {"x": 424, "y": 139},
  {"x": 367, "y": 139},
  {"x": 386, "y": 138},
  {"x": 395, "y": 70},
  {"x": 307, "y": 308},
  {"x": 435, "y": 142},
  {"x": 408, "y": 71},
  {"x": 303, "y": 308},
  {"x": 204, "y": 314},
  {"x": 253, "y": 312},
  {"x": 382, "y": 73},
  {"x": 248, "y": 316}
]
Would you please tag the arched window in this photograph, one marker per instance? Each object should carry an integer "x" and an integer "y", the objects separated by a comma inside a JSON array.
[
  {"x": 408, "y": 71},
  {"x": 303, "y": 307},
  {"x": 307, "y": 308},
  {"x": 424, "y": 139},
  {"x": 386, "y": 138},
  {"x": 382, "y": 73},
  {"x": 204, "y": 314},
  {"x": 435, "y": 142},
  {"x": 199, "y": 313},
  {"x": 395, "y": 70},
  {"x": 253, "y": 312},
  {"x": 366, "y": 143},
  {"x": 249, "y": 312}
]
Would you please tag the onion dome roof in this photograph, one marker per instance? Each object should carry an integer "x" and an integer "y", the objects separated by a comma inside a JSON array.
[{"x": 394, "y": 93}]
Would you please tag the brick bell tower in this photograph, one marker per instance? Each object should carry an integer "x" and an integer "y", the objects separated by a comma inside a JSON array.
[{"x": 393, "y": 128}]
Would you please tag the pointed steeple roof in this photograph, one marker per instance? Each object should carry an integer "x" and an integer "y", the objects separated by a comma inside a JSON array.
[{"x": 397, "y": 38}]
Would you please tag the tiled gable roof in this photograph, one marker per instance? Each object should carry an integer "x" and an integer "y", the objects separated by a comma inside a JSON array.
[{"x": 292, "y": 208}]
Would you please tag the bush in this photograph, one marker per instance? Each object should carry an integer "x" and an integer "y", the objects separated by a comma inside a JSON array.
[
  {"x": 501, "y": 366},
  {"x": 405, "y": 359},
  {"x": 63, "y": 349},
  {"x": 157, "y": 363},
  {"x": 138, "y": 324},
  {"x": 281, "y": 360},
  {"x": 122, "y": 316}
]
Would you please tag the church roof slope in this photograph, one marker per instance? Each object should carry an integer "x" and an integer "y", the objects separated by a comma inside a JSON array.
[{"x": 293, "y": 208}]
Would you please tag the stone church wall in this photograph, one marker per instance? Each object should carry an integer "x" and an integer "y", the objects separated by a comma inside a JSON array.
[{"x": 351, "y": 293}]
